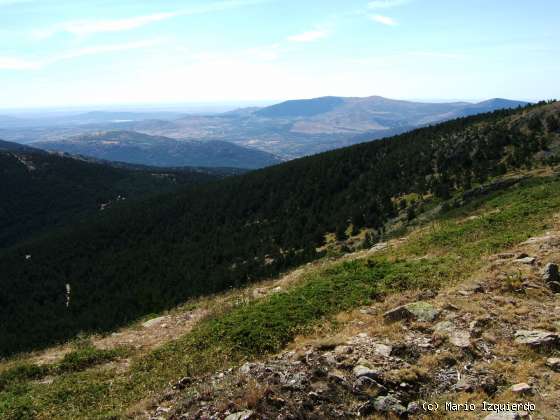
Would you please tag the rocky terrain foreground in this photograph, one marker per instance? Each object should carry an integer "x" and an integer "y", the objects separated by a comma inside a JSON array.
[{"x": 473, "y": 350}]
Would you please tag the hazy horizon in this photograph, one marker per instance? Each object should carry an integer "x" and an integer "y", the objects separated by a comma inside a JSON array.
[
  {"x": 205, "y": 107},
  {"x": 61, "y": 53}
]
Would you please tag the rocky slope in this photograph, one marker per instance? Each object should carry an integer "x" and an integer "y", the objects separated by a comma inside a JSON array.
[{"x": 494, "y": 338}]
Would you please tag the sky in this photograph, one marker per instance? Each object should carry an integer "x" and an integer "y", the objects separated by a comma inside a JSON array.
[{"x": 110, "y": 52}]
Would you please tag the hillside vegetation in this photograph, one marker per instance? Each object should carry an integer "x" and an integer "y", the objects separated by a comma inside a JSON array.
[
  {"x": 317, "y": 309},
  {"x": 150, "y": 256},
  {"x": 39, "y": 190}
]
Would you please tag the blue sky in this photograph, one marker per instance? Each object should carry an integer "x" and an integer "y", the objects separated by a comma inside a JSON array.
[{"x": 74, "y": 52}]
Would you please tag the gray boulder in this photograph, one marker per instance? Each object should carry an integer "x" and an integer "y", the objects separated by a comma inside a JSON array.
[
  {"x": 526, "y": 260},
  {"x": 553, "y": 363},
  {"x": 503, "y": 415},
  {"x": 554, "y": 286},
  {"x": 241, "y": 415},
  {"x": 522, "y": 388},
  {"x": 420, "y": 311},
  {"x": 457, "y": 337},
  {"x": 363, "y": 371},
  {"x": 536, "y": 338},
  {"x": 389, "y": 404},
  {"x": 550, "y": 273}
]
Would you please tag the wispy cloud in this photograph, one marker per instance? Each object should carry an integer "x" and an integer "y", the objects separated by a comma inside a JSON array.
[
  {"x": 102, "y": 49},
  {"x": 17, "y": 63},
  {"x": 14, "y": 63},
  {"x": 384, "y": 20},
  {"x": 90, "y": 27},
  {"x": 309, "y": 36},
  {"x": 116, "y": 25},
  {"x": 12, "y": 2},
  {"x": 386, "y": 4}
]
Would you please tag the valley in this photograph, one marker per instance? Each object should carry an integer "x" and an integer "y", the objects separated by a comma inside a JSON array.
[{"x": 288, "y": 130}]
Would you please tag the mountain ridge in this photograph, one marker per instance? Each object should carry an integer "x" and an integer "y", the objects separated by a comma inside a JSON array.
[{"x": 300, "y": 128}]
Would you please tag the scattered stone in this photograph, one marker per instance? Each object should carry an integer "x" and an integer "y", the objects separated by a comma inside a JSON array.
[
  {"x": 503, "y": 415},
  {"x": 246, "y": 368},
  {"x": 478, "y": 326},
  {"x": 522, "y": 388},
  {"x": 162, "y": 410},
  {"x": 550, "y": 273},
  {"x": 457, "y": 337},
  {"x": 296, "y": 382},
  {"x": 336, "y": 376},
  {"x": 413, "y": 408},
  {"x": 536, "y": 338},
  {"x": 388, "y": 404},
  {"x": 465, "y": 384},
  {"x": 472, "y": 287},
  {"x": 421, "y": 311},
  {"x": 460, "y": 338},
  {"x": 382, "y": 349},
  {"x": 343, "y": 349},
  {"x": 241, "y": 415},
  {"x": 367, "y": 385},
  {"x": 153, "y": 321},
  {"x": 427, "y": 294},
  {"x": 361, "y": 370},
  {"x": 526, "y": 260},
  {"x": 554, "y": 286},
  {"x": 553, "y": 363},
  {"x": 451, "y": 307}
]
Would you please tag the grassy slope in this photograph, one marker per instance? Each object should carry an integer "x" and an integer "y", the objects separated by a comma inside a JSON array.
[{"x": 438, "y": 254}]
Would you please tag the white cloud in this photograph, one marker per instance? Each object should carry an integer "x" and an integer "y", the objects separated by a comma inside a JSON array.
[
  {"x": 384, "y": 20},
  {"x": 101, "y": 49},
  {"x": 82, "y": 28},
  {"x": 13, "y": 63},
  {"x": 309, "y": 36},
  {"x": 386, "y": 4},
  {"x": 90, "y": 27}
]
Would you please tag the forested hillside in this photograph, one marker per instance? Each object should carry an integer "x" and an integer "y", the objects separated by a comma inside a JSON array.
[
  {"x": 141, "y": 258},
  {"x": 142, "y": 149},
  {"x": 39, "y": 190}
]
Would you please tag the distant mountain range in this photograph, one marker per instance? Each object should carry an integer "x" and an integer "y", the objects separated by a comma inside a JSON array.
[
  {"x": 143, "y": 149},
  {"x": 289, "y": 129}
]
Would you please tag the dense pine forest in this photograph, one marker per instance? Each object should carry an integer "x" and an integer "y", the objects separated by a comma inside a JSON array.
[
  {"x": 143, "y": 257},
  {"x": 40, "y": 190}
]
